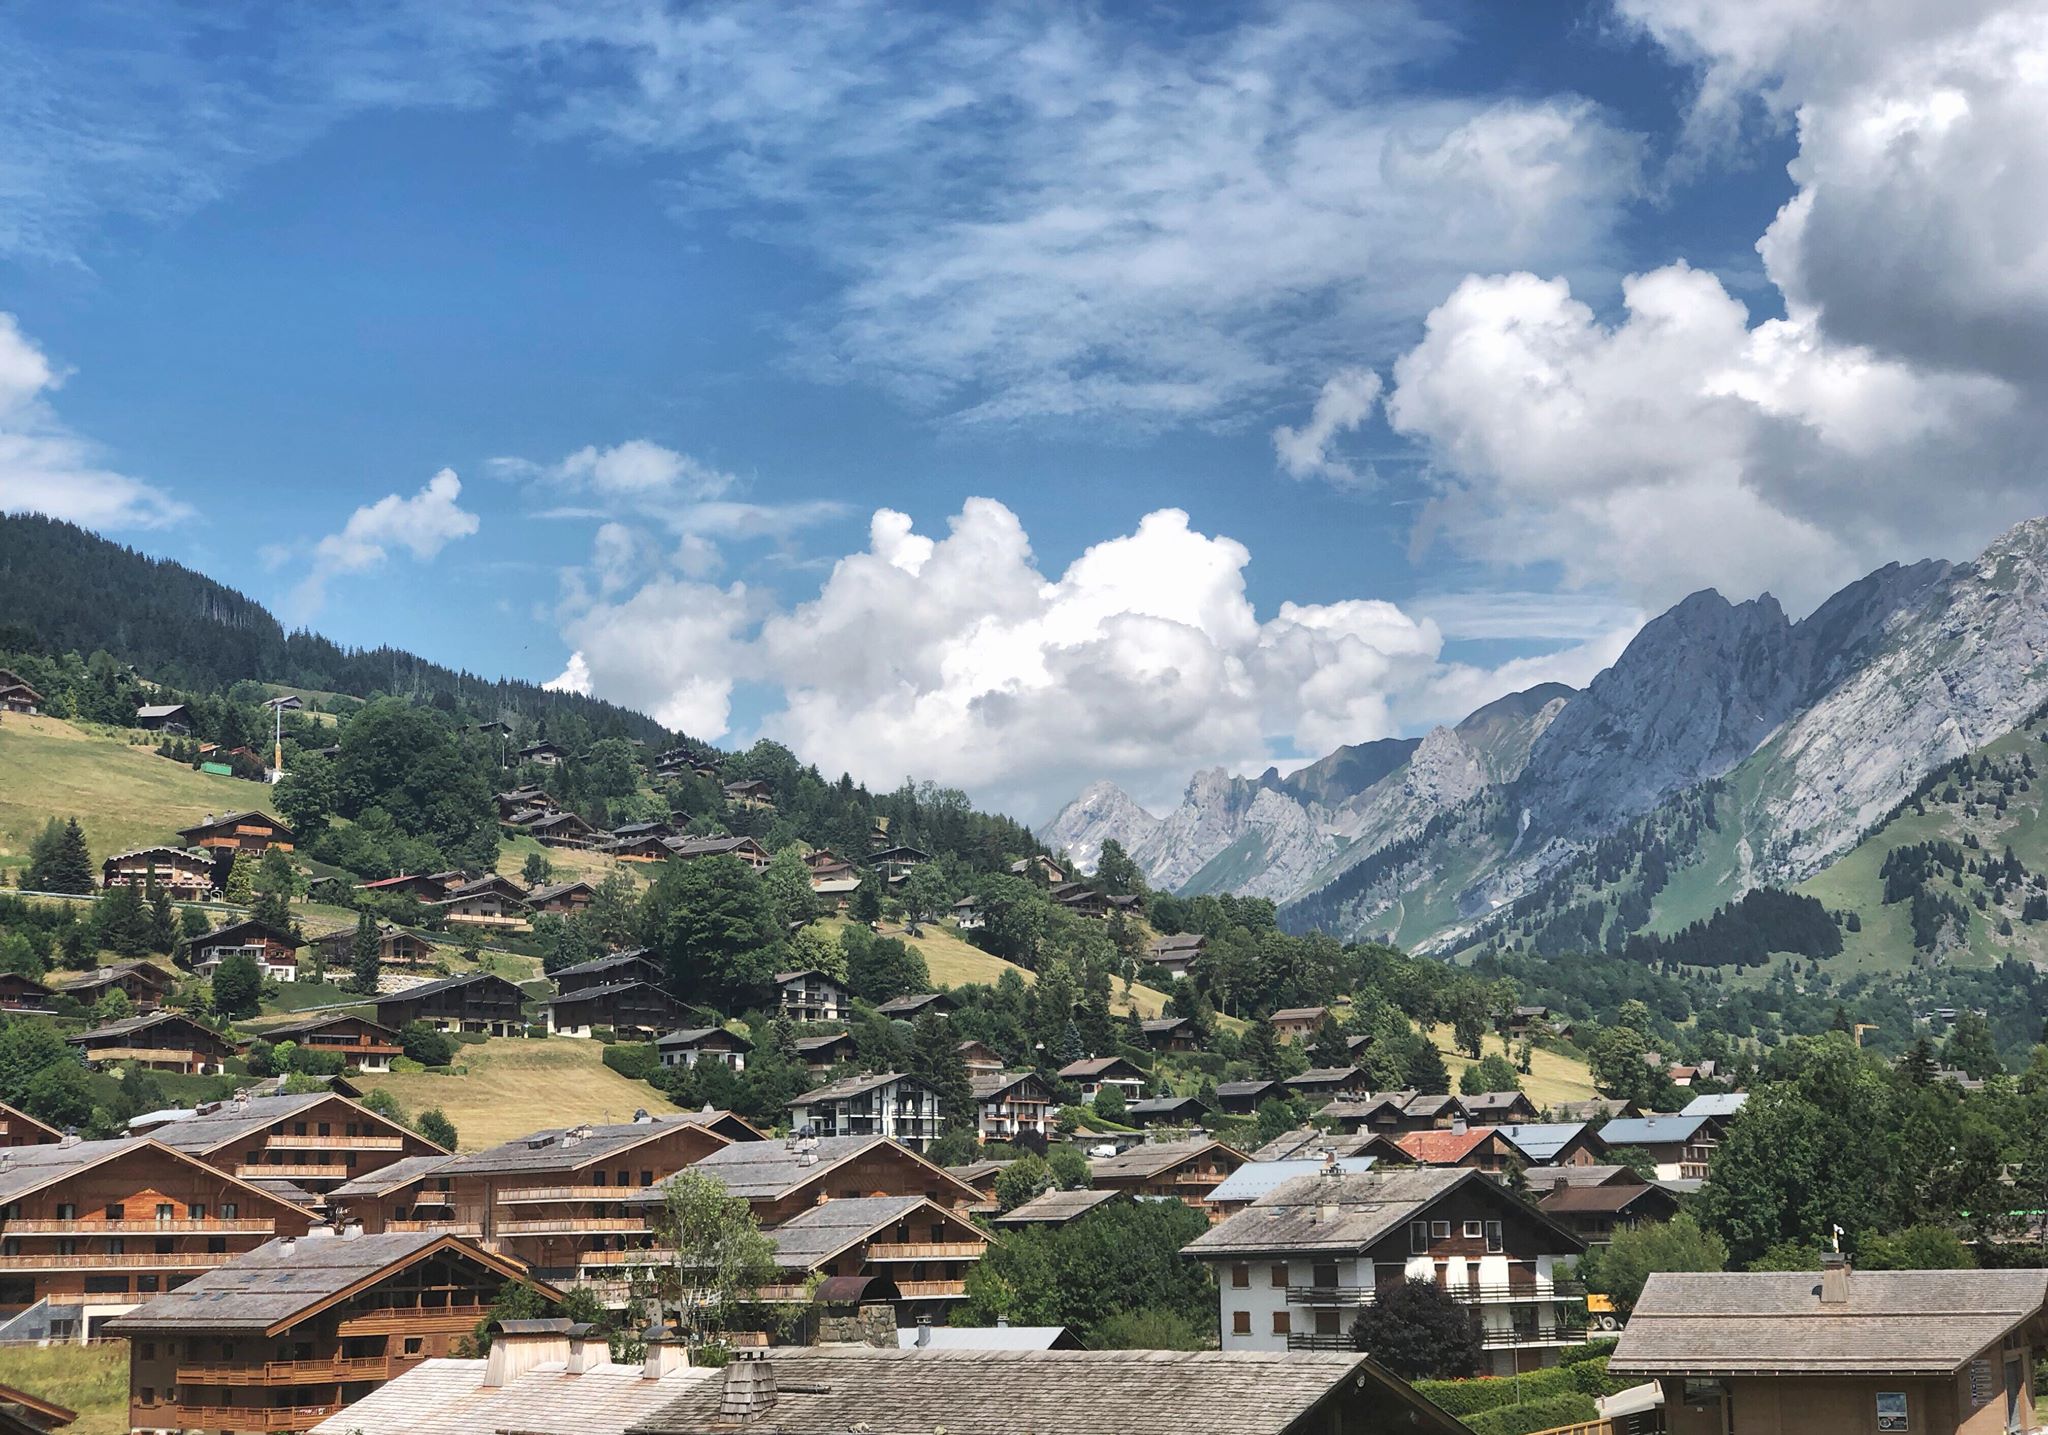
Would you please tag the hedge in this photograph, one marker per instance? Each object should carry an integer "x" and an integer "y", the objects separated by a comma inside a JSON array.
[
  {"x": 634, "y": 1060},
  {"x": 1532, "y": 1415},
  {"x": 1468, "y": 1397},
  {"x": 1591, "y": 1350}
]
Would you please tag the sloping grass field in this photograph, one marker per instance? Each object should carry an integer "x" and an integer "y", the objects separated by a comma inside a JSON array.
[
  {"x": 513, "y": 1086},
  {"x": 91, "y": 1379}
]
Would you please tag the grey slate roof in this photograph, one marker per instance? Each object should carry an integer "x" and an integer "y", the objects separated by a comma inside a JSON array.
[
  {"x": 1651, "y": 1130},
  {"x": 856, "y": 1086},
  {"x": 275, "y": 1282},
  {"x": 401, "y": 1172},
  {"x": 1543, "y": 1178},
  {"x": 1055, "y": 1208},
  {"x": 810, "y": 1239},
  {"x": 1724, "y": 1105},
  {"x": 1893, "y": 1323},
  {"x": 697, "y": 1034},
  {"x": 128, "y": 1026},
  {"x": 986, "y": 1337},
  {"x": 604, "y": 963},
  {"x": 1154, "y": 1157},
  {"x": 1295, "y": 1216},
  {"x": 449, "y": 1397},
  {"x": 564, "y": 1147},
  {"x": 208, "y": 1131},
  {"x": 1255, "y": 1178},
  {"x": 761, "y": 1170},
  {"x": 1035, "y": 1392}
]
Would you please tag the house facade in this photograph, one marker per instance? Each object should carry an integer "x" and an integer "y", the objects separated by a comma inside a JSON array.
[
  {"x": 1294, "y": 1268},
  {"x": 358, "y": 1041},
  {"x": 313, "y": 1141},
  {"x": 693, "y": 1045},
  {"x": 275, "y": 953},
  {"x": 634, "y": 1011},
  {"x": 1299, "y": 1023},
  {"x": 1681, "y": 1147},
  {"x": 1093, "y": 1073},
  {"x": 811, "y": 996},
  {"x": 888, "y": 1104},
  {"x": 1010, "y": 1104},
  {"x": 477, "y": 1001},
  {"x": 1185, "y": 1171},
  {"x": 162, "y": 1041},
  {"x": 183, "y": 873},
  {"x": 491, "y": 901},
  {"x": 254, "y": 832}
]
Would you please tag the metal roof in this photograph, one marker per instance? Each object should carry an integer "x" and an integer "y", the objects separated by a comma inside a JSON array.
[{"x": 1255, "y": 1178}]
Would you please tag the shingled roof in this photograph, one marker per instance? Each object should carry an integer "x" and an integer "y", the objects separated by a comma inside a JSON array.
[
  {"x": 234, "y": 1120},
  {"x": 808, "y": 1240},
  {"x": 385, "y": 1179},
  {"x": 282, "y": 1281},
  {"x": 1156, "y": 1157},
  {"x": 1055, "y": 1208},
  {"x": 764, "y": 1170},
  {"x": 566, "y": 1147},
  {"x": 1348, "y": 1212},
  {"x": 1894, "y": 1323},
  {"x": 449, "y": 1397},
  {"x": 1034, "y": 1392}
]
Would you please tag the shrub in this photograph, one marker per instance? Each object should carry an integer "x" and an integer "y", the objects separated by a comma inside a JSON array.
[
  {"x": 1532, "y": 1415},
  {"x": 634, "y": 1060},
  {"x": 470, "y": 1038},
  {"x": 1469, "y": 1397}
]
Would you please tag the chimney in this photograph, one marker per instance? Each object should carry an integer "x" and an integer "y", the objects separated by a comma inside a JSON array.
[
  {"x": 517, "y": 1346},
  {"x": 584, "y": 1352},
  {"x": 665, "y": 1354},
  {"x": 924, "y": 1331},
  {"x": 1834, "y": 1279},
  {"x": 1002, "y": 1322},
  {"x": 69, "y": 1138},
  {"x": 1458, "y": 1127},
  {"x": 641, "y": 1116},
  {"x": 749, "y": 1389},
  {"x": 350, "y": 1230},
  {"x": 288, "y": 1245}
]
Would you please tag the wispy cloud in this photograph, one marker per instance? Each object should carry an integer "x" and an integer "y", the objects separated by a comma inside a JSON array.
[{"x": 421, "y": 525}]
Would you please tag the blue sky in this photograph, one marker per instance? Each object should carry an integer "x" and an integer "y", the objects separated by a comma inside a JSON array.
[{"x": 1248, "y": 378}]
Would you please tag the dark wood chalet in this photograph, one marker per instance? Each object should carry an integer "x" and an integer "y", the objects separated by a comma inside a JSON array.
[
  {"x": 820, "y": 1054},
  {"x": 635, "y": 1011},
  {"x": 275, "y": 953},
  {"x": 162, "y": 1040},
  {"x": 563, "y": 829},
  {"x": 476, "y": 1001},
  {"x": 490, "y": 901},
  {"x": 561, "y": 898},
  {"x": 636, "y": 965},
  {"x": 743, "y": 849},
  {"x": 357, "y": 1040},
  {"x": 255, "y": 832},
  {"x": 23, "y": 993},
  {"x": 17, "y": 696},
  {"x": 145, "y": 984},
  {"x": 396, "y": 948},
  {"x": 185, "y": 874},
  {"x": 172, "y": 719}
]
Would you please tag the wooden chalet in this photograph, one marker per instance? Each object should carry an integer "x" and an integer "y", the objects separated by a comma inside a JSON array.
[
  {"x": 358, "y": 1041},
  {"x": 184, "y": 874},
  {"x": 1093, "y": 1073},
  {"x": 1080, "y": 899},
  {"x": 888, "y": 1103},
  {"x": 162, "y": 1041},
  {"x": 145, "y": 984},
  {"x": 919, "y": 1249},
  {"x": 24, "y": 1414},
  {"x": 1243, "y": 1098},
  {"x": 16, "y": 696},
  {"x": 93, "y": 1227},
  {"x": 1175, "y": 953},
  {"x": 979, "y": 1058},
  {"x": 1479, "y": 1148},
  {"x": 302, "y": 1327},
  {"x": 749, "y": 792},
  {"x": 654, "y": 827},
  {"x": 546, "y": 754},
  {"x": 1057, "y": 1208},
  {"x": 170, "y": 719},
  {"x": 810, "y": 995},
  {"x": 820, "y": 1054},
  {"x": 893, "y": 863},
  {"x": 420, "y": 886},
  {"x": 19, "y": 993},
  {"x": 561, "y": 898},
  {"x": 253, "y": 832},
  {"x": 1555, "y": 1143},
  {"x": 489, "y": 901},
  {"x": 1039, "y": 868},
  {"x": 563, "y": 829},
  {"x": 915, "y": 1005},
  {"x": 692, "y": 1046},
  {"x": 475, "y": 1001},
  {"x": 1012, "y": 1104},
  {"x": 309, "y": 1142},
  {"x": 1326, "y": 1083},
  {"x": 741, "y": 849},
  {"x": 1165, "y": 1111},
  {"x": 1498, "y": 1108},
  {"x": 18, "y": 1128},
  {"x": 1595, "y": 1213},
  {"x": 275, "y": 953},
  {"x": 635, "y": 965},
  {"x": 782, "y": 1179},
  {"x": 396, "y": 948},
  {"x": 1172, "y": 1033},
  {"x": 1187, "y": 1170},
  {"x": 1299, "y": 1023},
  {"x": 824, "y": 862},
  {"x": 968, "y": 914},
  {"x": 634, "y": 1011},
  {"x": 638, "y": 849},
  {"x": 522, "y": 804}
]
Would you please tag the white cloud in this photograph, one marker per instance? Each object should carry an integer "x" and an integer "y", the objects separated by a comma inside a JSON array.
[
  {"x": 46, "y": 468},
  {"x": 957, "y": 658},
  {"x": 638, "y": 470},
  {"x": 1346, "y": 401},
  {"x": 421, "y": 525},
  {"x": 574, "y": 678}
]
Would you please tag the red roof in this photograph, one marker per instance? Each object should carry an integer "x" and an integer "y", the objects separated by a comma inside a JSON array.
[{"x": 1443, "y": 1148}]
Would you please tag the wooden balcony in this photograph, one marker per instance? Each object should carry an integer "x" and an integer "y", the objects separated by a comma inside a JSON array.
[
  {"x": 414, "y": 1320},
  {"x": 288, "y": 1372},
  {"x": 126, "y": 1261},
  {"x": 39, "y": 1226},
  {"x": 153, "y": 1056},
  {"x": 527, "y": 1195},
  {"x": 931, "y": 1290},
  {"x": 1509, "y": 1293},
  {"x": 307, "y": 1171},
  {"x": 927, "y": 1250},
  {"x": 576, "y": 1225},
  {"x": 335, "y": 1143},
  {"x": 652, "y": 1256},
  {"x": 452, "y": 1228},
  {"x": 231, "y": 1417}
]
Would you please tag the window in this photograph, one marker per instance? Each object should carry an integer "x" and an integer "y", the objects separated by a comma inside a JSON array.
[
  {"x": 149, "y": 1350},
  {"x": 1240, "y": 1322},
  {"x": 1278, "y": 1275},
  {"x": 66, "y": 1211},
  {"x": 298, "y": 1128},
  {"x": 1327, "y": 1323},
  {"x": 1439, "y": 1230},
  {"x": 106, "y": 1285},
  {"x": 196, "y": 1211},
  {"x": 1324, "y": 1276},
  {"x": 147, "y": 1284},
  {"x": 228, "y": 1210},
  {"x": 1240, "y": 1276},
  {"x": 1472, "y": 1230},
  {"x": 326, "y": 1128},
  {"x": 1281, "y": 1324},
  {"x": 597, "y": 1178},
  {"x": 148, "y": 1395},
  {"x": 414, "y": 1344},
  {"x": 1418, "y": 1237},
  {"x": 647, "y": 1178},
  {"x": 1496, "y": 1242}
]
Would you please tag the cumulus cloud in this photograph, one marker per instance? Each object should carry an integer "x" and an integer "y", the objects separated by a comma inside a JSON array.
[
  {"x": 46, "y": 468},
  {"x": 958, "y": 658},
  {"x": 638, "y": 470},
  {"x": 421, "y": 525},
  {"x": 1346, "y": 401}
]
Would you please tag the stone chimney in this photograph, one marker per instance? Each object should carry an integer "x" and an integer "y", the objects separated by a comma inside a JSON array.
[
  {"x": 665, "y": 1353},
  {"x": 749, "y": 1391},
  {"x": 1834, "y": 1279},
  {"x": 517, "y": 1346}
]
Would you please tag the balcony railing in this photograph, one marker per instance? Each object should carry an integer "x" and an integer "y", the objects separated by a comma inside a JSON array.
[
  {"x": 1510, "y": 1293},
  {"x": 307, "y": 1171},
  {"x": 410, "y": 1320},
  {"x": 576, "y": 1225},
  {"x": 452, "y": 1228},
  {"x": 528, "y": 1194},
  {"x": 231, "y": 1417},
  {"x": 1563, "y": 1333},
  {"x": 124, "y": 1261},
  {"x": 42, "y": 1226},
  {"x": 927, "y": 1250},
  {"x": 335, "y": 1143},
  {"x": 1306, "y": 1341},
  {"x": 931, "y": 1290},
  {"x": 288, "y": 1372},
  {"x": 649, "y": 1257}
]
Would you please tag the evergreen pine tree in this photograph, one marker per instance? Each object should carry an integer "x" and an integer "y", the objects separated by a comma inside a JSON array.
[
  {"x": 163, "y": 922},
  {"x": 366, "y": 962},
  {"x": 121, "y": 922},
  {"x": 58, "y": 860},
  {"x": 936, "y": 1061},
  {"x": 273, "y": 882},
  {"x": 1427, "y": 1072}
]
